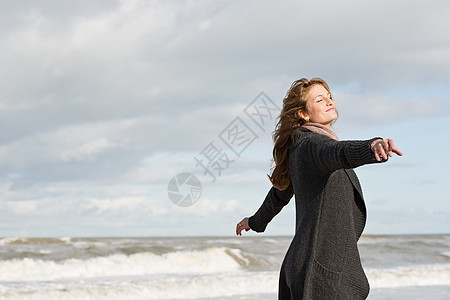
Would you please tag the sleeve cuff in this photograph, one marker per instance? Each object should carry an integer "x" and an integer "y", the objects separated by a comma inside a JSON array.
[
  {"x": 256, "y": 224},
  {"x": 361, "y": 153}
]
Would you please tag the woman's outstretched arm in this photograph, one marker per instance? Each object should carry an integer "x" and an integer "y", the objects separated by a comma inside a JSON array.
[
  {"x": 273, "y": 203},
  {"x": 328, "y": 155}
]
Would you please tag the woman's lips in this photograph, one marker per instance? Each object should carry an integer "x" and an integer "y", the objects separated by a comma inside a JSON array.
[{"x": 330, "y": 109}]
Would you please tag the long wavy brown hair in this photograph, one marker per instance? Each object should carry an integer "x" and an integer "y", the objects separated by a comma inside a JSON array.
[{"x": 289, "y": 120}]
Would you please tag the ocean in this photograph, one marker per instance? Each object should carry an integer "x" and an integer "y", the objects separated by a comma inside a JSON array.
[{"x": 398, "y": 267}]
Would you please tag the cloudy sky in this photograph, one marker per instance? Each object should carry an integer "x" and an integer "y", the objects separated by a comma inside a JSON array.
[{"x": 102, "y": 103}]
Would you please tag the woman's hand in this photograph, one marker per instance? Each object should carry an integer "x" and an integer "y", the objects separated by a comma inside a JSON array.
[
  {"x": 383, "y": 148},
  {"x": 242, "y": 225}
]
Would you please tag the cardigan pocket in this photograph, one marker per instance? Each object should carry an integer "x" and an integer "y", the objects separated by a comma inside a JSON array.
[{"x": 324, "y": 282}]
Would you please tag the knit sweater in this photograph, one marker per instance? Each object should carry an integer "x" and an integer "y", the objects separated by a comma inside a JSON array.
[{"x": 322, "y": 262}]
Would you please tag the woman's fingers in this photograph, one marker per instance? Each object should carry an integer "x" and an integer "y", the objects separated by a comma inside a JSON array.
[
  {"x": 390, "y": 145},
  {"x": 380, "y": 152},
  {"x": 378, "y": 149},
  {"x": 393, "y": 148},
  {"x": 239, "y": 229},
  {"x": 241, "y": 226},
  {"x": 377, "y": 156},
  {"x": 396, "y": 151},
  {"x": 384, "y": 149},
  {"x": 375, "y": 151}
]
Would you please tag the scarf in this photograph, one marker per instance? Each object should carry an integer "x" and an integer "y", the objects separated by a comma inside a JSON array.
[{"x": 321, "y": 129}]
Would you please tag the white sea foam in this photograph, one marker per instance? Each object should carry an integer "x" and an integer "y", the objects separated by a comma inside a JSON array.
[
  {"x": 164, "y": 287},
  {"x": 210, "y": 260},
  {"x": 225, "y": 241},
  {"x": 221, "y": 285},
  {"x": 10, "y": 240},
  {"x": 417, "y": 275},
  {"x": 66, "y": 239},
  {"x": 222, "y": 268},
  {"x": 207, "y": 261},
  {"x": 87, "y": 244}
]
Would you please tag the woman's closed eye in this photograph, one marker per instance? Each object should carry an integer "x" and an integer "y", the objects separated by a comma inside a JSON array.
[{"x": 319, "y": 99}]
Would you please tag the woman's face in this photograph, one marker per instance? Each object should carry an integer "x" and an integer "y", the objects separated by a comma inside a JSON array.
[{"x": 320, "y": 107}]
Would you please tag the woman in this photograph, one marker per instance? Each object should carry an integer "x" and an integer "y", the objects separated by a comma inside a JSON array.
[{"x": 322, "y": 261}]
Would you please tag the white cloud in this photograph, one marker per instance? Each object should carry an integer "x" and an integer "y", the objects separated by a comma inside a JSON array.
[
  {"x": 87, "y": 151},
  {"x": 115, "y": 205},
  {"x": 81, "y": 142},
  {"x": 22, "y": 208},
  {"x": 378, "y": 109},
  {"x": 208, "y": 207}
]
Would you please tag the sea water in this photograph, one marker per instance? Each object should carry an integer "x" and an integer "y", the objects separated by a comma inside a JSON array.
[{"x": 398, "y": 267}]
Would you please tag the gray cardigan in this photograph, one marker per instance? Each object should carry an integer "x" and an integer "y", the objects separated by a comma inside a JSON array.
[{"x": 322, "y": 262}]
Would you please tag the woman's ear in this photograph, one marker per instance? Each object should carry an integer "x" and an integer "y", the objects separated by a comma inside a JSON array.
[{"x": 303, "y": 115}]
